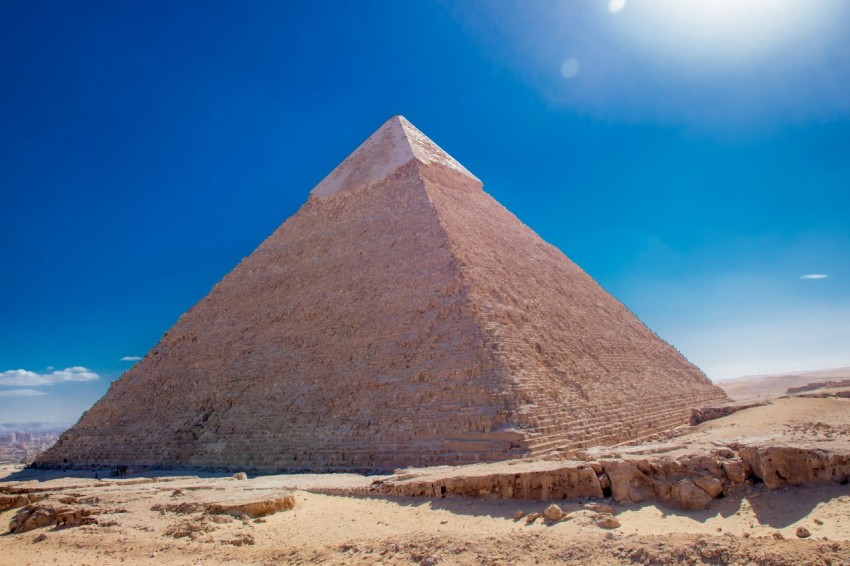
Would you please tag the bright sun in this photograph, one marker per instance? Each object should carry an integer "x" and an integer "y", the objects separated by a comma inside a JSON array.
[{"x": 742, "y": 28}]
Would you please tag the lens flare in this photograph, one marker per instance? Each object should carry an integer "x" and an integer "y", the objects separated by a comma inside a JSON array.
[{"x": 570, "y": 68}]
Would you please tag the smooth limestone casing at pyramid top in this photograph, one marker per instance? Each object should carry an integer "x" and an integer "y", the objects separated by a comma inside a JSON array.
[{"x": 400, "y": 317}]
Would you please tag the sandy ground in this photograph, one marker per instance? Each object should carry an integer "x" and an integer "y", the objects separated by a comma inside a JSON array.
[
  {"x": 138, "y": 519},
  {"x": 323, "y": 528}
]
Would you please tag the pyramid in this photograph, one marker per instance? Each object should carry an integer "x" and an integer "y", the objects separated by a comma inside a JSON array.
[{"x": 400, "y": 317}]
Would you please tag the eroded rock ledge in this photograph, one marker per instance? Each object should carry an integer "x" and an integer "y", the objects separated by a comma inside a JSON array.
[
  {"x": 688, "y": 482},
  {"x": 81, "y": 503}
]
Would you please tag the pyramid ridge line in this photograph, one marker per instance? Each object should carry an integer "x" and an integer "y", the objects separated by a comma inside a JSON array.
[
  {"x": 418, "y": 139},
  {"x": 393, "y": 145}
]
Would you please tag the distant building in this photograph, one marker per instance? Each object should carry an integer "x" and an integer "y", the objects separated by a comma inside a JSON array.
[{"x": 23, "y": 437}]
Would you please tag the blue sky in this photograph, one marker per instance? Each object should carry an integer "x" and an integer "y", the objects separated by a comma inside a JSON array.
[{"x": 692, "y": 156}]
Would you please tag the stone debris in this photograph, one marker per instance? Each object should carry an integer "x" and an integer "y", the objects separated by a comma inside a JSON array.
[
  {"x": 243, "y": 539},
  {"x": 519, "y": 515},
  {"x": 242, "y": 506},
  {"x": 531, "y": 518},
  {"x": 39, "y": 515},
  {"x": 240, "y": 476},
  {"x": 107, "y": 523},
  {"x": 606, "y": 522},
  {"x": 553, "y": 513},
  {"x": 600, "y": 508},
  {"x": 191, "y": 528},
  {"x": 399, "y": 286},
  {"x": 803, "y": 532}
]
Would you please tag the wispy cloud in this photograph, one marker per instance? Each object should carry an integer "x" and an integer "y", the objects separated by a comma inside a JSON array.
[
  {"x": 25, "y": 378},
  {"x": 131, "y": 358},
  {"x": 814, "y": 276},
  {"x": 22, "y": 393}
]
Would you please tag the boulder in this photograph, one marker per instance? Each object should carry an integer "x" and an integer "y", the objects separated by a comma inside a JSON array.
[
  {"x": 710, "y": 485},
  {"x": 626, "y": 480},
  {"x": 31, "y": 517},
  {"x": 554, "y": 513},
  {"x": 606, "y": 522},
  {"x": 688, "y": 495},
  {"x": 734, "y": 470}
]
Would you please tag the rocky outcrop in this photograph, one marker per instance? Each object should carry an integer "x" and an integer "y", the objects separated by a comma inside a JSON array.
[
  {"x": 19, "y": 500},
  {"x": 252, "y": 509},
  {"x": 242, "y": 507},
  {"x": 817, "y": 385},
  {"x": 700, "y": 415},
  {"x": 789, "y": 465},
  {"x": 570, "y": 480},
  {"x": 57, "y": 506},
  {"x": 689, "y": 482},
  {"x": 38, "y": 515}
]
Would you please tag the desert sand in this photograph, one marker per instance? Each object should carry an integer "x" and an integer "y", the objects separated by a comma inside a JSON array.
[
  {"x": 775, "y": 385},
  {"x": 345, "y": 518}
]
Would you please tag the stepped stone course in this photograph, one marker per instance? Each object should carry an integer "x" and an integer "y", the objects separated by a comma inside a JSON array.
[{"x": 400, "y": 317}]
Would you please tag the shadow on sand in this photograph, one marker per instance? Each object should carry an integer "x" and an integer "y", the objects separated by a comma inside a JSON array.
[
  {"x": 774, "y": 508},
  {"x": 20, "y": 474}
]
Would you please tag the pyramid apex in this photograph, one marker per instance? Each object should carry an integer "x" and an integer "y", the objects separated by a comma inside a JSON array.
[{"x": 395, "y": 144}]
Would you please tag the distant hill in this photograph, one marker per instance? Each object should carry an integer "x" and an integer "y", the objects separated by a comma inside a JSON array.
[{"x": 773, "y": 385}]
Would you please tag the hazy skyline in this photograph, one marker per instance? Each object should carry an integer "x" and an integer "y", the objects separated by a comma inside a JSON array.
[{"x": 690, "y": 156}]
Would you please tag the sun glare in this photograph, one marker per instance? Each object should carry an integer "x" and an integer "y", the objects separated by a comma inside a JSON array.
[
  {"x": 616, "y": 6},
  {"x": 717, "y": 27}
]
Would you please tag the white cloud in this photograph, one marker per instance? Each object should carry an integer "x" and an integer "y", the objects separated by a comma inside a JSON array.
[
  {"x": 131, "y": 358},
  {"x": 21, "y": 393},
  {"x": 25, "y": 378},
  {"x": 814, "y": 276}
]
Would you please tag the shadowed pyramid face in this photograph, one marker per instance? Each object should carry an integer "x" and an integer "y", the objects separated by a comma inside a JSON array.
[{"x": 400, "y": 317}]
